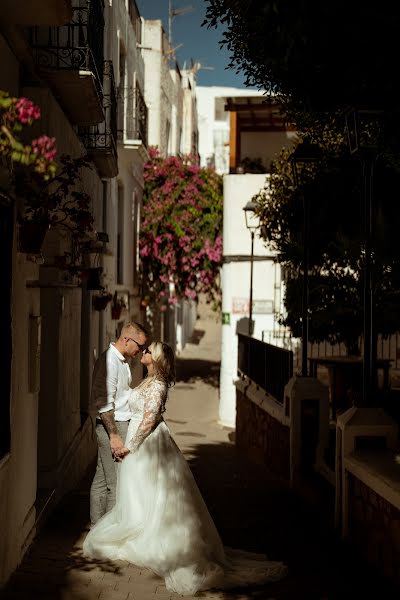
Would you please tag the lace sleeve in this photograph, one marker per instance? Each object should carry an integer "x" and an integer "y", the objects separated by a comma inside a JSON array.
[{"x": 154, "y": 399}]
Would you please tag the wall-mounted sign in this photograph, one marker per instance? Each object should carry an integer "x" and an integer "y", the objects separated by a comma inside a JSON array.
[
  {"x": 226, "y": 318},
  {"x": 240, "y": 306}
]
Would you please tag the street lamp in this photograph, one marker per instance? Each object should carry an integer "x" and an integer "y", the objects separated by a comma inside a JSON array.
[
  {"x": 304, "y": 156},
  {"x": 252, "y": 224},
  {"x": 364, "y": 133}
]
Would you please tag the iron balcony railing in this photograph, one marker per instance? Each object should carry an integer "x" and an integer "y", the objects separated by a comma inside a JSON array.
[
  {"x": 78, "y": 45},
  {"x": 266, "y": 365},
  {"x": 132, "y": 115},
  {"x": 103, "y": 137}
]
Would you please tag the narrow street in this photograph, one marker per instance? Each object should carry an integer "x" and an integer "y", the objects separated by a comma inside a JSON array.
[{"x": 252, "y": 511}]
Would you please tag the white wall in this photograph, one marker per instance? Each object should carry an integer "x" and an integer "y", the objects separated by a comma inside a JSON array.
[
  {"x": 267, "y": 147},
  {"x": 210, "y": 149},
  {"x": 238, "y": 190}
]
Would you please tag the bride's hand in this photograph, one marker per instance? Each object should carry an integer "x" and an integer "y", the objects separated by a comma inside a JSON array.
[{"x": 122, "y": 452}]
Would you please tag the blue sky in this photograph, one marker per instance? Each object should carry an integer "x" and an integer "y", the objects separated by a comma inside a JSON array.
[{"x": 199, "y": 43}]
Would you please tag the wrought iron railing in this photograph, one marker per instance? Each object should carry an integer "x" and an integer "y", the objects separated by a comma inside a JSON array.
[
  {"x": 104, "y": 135},
  {"x": 268, "y": 366},
  {"x": 132, "y": 115},
  {"x": 78, "y": 45}
]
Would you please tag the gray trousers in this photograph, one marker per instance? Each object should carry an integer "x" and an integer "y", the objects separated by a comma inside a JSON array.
[{"x": 103, "y": 489}]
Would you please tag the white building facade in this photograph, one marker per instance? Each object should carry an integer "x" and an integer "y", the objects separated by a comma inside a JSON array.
[
  {"x": 172, "y": 116},
  {"x": 256, "y": 135},
  {"x": 214, "y": 124},
  {"x": 51, "y": 331}
]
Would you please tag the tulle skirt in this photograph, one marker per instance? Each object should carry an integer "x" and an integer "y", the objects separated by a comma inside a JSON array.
[{"x": 160, "y": 521}]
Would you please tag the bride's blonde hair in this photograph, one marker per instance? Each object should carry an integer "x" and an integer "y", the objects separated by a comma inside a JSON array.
[
  {"x": 163, "y": 361},
  {"x": 163, "y": 364}
]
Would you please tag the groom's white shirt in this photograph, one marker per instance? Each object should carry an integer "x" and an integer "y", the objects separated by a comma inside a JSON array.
[{"x": 111, "y": 384}]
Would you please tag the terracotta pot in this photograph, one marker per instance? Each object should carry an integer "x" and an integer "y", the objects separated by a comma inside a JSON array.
[
  {"x": 31, "y": 236},
  {"x": 100, "y": 302},
  {"x": 93, "y": 281},
  {"x": 116, "y": 312}
]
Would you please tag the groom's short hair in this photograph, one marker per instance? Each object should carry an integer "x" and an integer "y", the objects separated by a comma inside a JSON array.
[{"x": 133, "y": 326}]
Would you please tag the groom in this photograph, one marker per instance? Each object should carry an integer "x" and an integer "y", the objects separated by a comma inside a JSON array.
[{"x": 110, "y": 394}]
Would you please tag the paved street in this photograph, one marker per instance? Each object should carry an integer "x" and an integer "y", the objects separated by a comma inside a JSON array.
[{"x": 252, "y": 511}]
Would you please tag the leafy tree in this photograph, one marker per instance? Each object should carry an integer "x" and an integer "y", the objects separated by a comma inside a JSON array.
[
  {"x": 180, "y": 240},
  {"x": 318, "y": 55},
  {"x": 334, "y": 191}
]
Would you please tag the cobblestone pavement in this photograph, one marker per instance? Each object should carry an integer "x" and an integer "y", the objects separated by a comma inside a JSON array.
[{"x": 252, "y": 511}]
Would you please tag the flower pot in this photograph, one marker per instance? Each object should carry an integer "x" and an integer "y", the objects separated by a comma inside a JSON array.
[
  {"x": 93, "y": 281},
  {"x": 100, "y": 302},
  {"x": 31, "y": 236},
  {"x": 116, "y": 312}
]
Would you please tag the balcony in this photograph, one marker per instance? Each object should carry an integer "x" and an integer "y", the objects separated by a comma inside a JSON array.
[
  {"x": 70, "y": 59},
  {"x": 35, "y": 12},
  {"x": 100, "y": 140},
  {"x": 132, "y": 118}
]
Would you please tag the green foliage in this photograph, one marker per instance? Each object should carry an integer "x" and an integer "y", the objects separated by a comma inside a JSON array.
[
  {"x": 319, "y": 56},
  {"x": 335, "y": 193}
]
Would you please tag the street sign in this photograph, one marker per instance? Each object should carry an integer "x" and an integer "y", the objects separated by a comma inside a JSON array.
[{"x": 240, "y": 306}]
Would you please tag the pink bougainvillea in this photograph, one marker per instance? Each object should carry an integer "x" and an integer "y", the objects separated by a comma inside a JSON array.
[
  {"x": 180, "y": 243},
  {"x": 15, "y": 115}
]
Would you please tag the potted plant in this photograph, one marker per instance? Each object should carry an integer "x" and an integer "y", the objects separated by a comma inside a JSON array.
[
  {"x": 100, "y": 301},
  {"x": 116, "y": 307},
  {"x": 44, "y": 189},
  {"x": 31, "y": 236},
  {"x": 54, "y": 203},
  {"x": 16, "y": 158},
  {"x": 93, "y": 278}
]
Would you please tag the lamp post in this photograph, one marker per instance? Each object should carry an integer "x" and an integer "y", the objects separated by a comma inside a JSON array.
[
  {"x": 364, "y": 129},
  {"x": 252, "y": 224},
  {"x": 305, "y": 155}
]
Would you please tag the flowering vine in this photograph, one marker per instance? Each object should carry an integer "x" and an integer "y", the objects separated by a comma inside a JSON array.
[
  {"x": 180, "y": 241},
  {"x": 45, "y": 187},
  {"x": 15, "y": 114}
]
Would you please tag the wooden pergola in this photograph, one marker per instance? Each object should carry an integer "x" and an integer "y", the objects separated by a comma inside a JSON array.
[{"x": 252, "y": 114}]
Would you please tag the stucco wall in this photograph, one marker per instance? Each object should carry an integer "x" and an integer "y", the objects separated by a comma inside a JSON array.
[
  {"x": 261, "y": 436},
  {"x": 374, "y": 528},
  {"x": 238, "y": 189}
]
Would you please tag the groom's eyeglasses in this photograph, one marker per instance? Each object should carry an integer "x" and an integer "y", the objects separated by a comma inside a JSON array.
[{"x": 140, "y": 346}]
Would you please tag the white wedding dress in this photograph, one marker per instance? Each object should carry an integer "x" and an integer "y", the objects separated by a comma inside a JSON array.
[{"x": 160, "y": 520}]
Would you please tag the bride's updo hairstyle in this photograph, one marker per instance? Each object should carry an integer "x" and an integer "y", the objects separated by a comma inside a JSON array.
[{"x": 163, "y": 362}]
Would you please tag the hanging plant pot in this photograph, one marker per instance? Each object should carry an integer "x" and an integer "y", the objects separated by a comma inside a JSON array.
[
  {"x": 100, "y": 302},
  {"x": 116, "y": 312},
  {"x": 31, "y": 236},
  {"x": 93, "y": 280}
]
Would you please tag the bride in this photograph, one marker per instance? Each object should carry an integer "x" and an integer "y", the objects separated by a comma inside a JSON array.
[{"x": 160, "y": 520}]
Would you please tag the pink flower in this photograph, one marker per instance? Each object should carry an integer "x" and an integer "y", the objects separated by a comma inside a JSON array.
[
  {"x": 27, "y": 111},
  {"x": 45, "y": 146},
  {"x": 190, "y": 293}
]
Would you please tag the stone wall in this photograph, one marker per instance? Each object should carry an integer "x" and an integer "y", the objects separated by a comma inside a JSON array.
[
  {"x": 374, "y": 527},
  {"x": 261, "y": 436}
]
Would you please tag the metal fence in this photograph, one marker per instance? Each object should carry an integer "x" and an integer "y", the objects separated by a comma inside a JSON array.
[
  {"x": 269, "y": 366},
  {"x": 387, "y": 347},
  {"x": 74, "y": 46}
]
